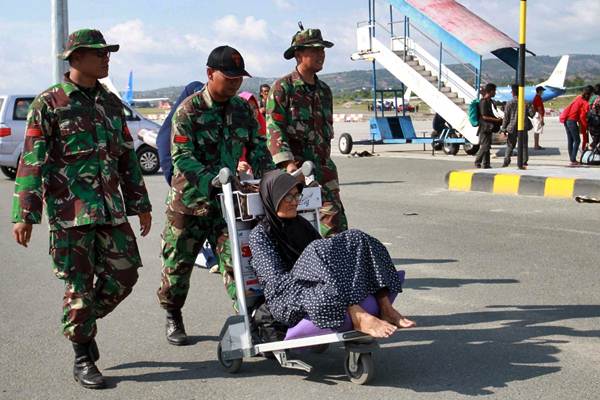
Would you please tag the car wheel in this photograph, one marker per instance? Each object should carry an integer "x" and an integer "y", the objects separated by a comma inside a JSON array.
[
  {"x": 148, "y": 158},
  {"x": 9, "y": 172}
]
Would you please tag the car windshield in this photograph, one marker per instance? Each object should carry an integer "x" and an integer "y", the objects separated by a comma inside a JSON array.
[{"x": 1, "y": 104}]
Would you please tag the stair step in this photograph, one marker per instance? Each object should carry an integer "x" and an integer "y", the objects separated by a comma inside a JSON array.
[
  {"x": 425, "y": 73},
  {"x": 414, "y": 63},
  {"x": 446, "y": 89},
  {"x": 431, "y": 79},
  {"x": 458, "y": 100},
  {"x": 451, "y": 95}
]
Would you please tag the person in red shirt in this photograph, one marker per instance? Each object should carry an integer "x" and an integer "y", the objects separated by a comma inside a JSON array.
[
  {"x": 575, "y": 113},
  {"x": 538, "y": 118}
]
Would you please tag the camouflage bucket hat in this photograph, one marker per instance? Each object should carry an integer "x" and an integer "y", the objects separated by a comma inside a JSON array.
[
  {"x": 89, "y": 38},
  {"x": 306, "y": 38}
]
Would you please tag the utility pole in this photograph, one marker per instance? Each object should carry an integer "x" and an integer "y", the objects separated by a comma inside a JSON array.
[
  {"x": 521, "y": 110},
  {"x": 59, "y": 25}
]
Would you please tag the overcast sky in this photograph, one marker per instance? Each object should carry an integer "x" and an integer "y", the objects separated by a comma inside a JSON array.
[{"x": 166, "y": 43}]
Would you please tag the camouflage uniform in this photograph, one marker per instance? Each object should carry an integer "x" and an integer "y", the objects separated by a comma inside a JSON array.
[
  {"x": 77, "y": 152},
  {"x": 206, "y": 137},
  {"x": 300, "y": 128}
]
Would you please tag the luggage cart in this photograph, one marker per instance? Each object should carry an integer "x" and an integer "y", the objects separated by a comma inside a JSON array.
[{"x": 235, "y": 340}]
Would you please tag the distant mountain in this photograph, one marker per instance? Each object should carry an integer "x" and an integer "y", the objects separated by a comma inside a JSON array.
[{"x": 582, "y": 69}]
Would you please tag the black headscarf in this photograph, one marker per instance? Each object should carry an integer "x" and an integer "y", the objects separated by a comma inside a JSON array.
[{"x": 291, "y": 235}]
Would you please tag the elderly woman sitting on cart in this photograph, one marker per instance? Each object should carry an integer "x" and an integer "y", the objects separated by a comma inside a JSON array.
[{"x": 305, "y": 276}]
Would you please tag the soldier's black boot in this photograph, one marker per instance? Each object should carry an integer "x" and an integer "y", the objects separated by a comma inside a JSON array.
[
  {"x": 84, "y": 370},
  {"x": 174, "y": 328},
  {"x": 94, "y": 352}
]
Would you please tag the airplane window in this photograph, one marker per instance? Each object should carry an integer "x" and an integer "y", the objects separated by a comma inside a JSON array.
[{"x": 21, "y": 108}]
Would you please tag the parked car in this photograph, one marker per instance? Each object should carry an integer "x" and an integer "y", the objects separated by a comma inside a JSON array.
[{"x": 13, "y": 117}]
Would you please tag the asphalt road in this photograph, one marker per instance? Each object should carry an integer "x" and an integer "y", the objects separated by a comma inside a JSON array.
[{"x": 505, "y": 291}]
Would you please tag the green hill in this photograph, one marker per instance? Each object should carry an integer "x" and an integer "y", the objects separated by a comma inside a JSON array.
[{"x": 583, "y": 69}]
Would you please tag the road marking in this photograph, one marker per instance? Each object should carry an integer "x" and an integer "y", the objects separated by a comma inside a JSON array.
[
  {"x": 506, "y": 184},
  {"x": 460, "y": 180},
  {"x": 559, "y": 187}
]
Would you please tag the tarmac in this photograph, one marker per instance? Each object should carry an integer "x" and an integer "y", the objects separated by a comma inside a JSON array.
[{"x": 548, "y": 173}]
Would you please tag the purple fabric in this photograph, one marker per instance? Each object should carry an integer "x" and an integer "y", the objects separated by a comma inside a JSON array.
[{"x": 306, "y": 328}]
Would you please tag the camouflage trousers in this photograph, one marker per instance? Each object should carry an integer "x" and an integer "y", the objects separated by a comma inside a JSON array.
[
  {"x": 108, "y": 253},
  {"x": 182, "y": 240},
  {"x": 332, "y": 213}
]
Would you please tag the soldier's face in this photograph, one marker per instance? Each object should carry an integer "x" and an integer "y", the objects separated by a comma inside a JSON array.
[
  {"x": 221, "y": 86},
  {"x": 92, "y": 62},
  {"x": 311, "y": 58}
]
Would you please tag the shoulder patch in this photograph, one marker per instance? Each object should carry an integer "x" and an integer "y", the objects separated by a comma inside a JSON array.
[
  {"x": 33, "y": 132},
  {"x": 180, "y": 139}
]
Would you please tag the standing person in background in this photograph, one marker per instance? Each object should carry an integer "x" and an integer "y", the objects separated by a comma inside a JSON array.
[
  {"x": 510, "y": 127},
  {"x": 244, "y": 168},
  {"x": 488, "y": 123},
  {"x": 574, "y": 114},
  {"x": 263, "y": 95},
  {"x": 163, "y": 139},
  {"x": 77, "y": 154},
  {"x": 538, "y": 118},
  {"x": 300, "y": 123}
]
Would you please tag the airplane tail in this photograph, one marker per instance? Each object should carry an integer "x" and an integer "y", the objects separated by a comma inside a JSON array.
[
  {"x": 557, "y": 79},
  {"x": 129, "y": 91}
]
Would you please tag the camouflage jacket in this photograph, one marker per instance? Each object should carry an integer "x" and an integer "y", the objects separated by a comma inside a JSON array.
[
  {"x": 207, "y": 136},
  {"x": 300, "y": 124},
  {"x": 77, "y": 152}
]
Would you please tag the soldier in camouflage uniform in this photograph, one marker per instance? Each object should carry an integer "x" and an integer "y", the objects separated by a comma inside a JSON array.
[
  {"x": 300, "y": 123},
  {"x": 210, "y": 130},
  {"x": 77, "y": 153}
]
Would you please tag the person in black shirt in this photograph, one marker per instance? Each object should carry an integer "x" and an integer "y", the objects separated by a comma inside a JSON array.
[{"x": 488, "y": 124}]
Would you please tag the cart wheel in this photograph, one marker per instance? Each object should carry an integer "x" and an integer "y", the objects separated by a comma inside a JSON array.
[
  {"x": 451, "y": 148},
  {"x": 345, "y": 143},
  {"x": 470, "y": 148},
  {"x": 365, "y": 369},
  {"x": 320, "y": 348},
  {"x": 231, "y": 366}
]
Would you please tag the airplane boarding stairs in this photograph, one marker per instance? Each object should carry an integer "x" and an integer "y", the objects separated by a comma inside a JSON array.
[{"x": 419, "y": 71}]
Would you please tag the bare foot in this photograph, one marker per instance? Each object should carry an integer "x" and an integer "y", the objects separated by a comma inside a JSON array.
[
  {"x": 371, "y": 325},
  {"x": 392, "y": 316}
]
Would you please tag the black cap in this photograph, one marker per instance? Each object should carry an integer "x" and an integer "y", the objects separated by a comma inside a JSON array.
[
  {"x": 227, "y": 60},
  {"x": 540, "y": 89}
]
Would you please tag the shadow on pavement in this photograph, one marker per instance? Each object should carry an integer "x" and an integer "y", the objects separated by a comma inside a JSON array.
[
  {"x": 474, "y": 361},
  {"x": 369, "y": 183},
  {"x": 430, "y": 283},
  {"x": 446, "y": 353},
  {"x": 411, "y": 261},
  {"x": 547, "y": 151}
]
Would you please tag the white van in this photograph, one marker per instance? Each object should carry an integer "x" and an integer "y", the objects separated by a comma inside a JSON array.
[{"x": 13, "y": 117}]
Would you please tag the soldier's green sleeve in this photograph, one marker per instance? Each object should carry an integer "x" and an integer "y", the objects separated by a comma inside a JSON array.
[
  {"x": 133, "y": 188},
  {"x": 258, "y": 155},
  {"x": 27, "y": 200},
  {"x": 188, "y": 172},
  {"x": 277, "y": 124}
]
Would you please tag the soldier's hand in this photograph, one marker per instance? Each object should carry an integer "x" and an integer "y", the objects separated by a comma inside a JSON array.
[
  {"x": 145, "y": 223},
  {"x": 22, "y": 233},
  {"x": 243, "y": 166}
]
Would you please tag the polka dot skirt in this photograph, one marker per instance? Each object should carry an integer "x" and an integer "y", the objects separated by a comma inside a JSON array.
[{"x": 330, "y": 275}]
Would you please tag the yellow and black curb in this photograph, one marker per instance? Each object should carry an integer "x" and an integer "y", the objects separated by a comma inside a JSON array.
[{"x": 526, "y": 185}]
